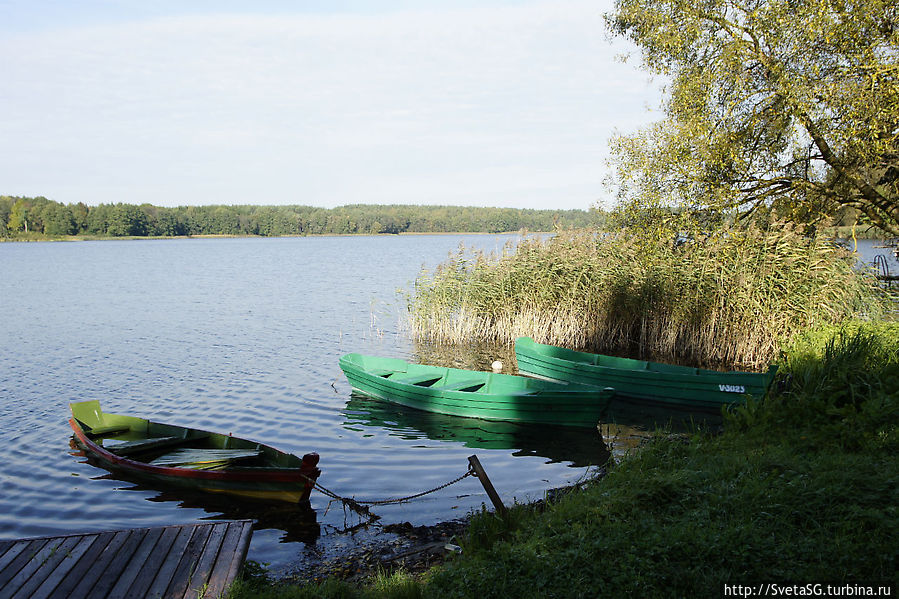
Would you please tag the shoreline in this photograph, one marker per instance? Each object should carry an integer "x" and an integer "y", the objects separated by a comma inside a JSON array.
[{"x": 79, "y": 238}]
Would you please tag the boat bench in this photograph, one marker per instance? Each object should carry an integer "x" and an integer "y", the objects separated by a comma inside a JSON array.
[
  {"x": 419, "y": 379},
  {"x": 204, "y": 459},
  {"x": 114, "y": 429},
  {"x": 469, "y": 385},
  {"x": 140, "y": 445}
]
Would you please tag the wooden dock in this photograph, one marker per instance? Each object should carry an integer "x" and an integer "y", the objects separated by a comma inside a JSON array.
[{"x": 186, "y": 561}]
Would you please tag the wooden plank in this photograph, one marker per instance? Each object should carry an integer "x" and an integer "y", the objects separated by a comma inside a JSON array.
[
  {"x": 137, "y": 561},
  {"x": 6, "y": 544},
  {"x": 199, "y": 576},
  {"x": 230, "y": 559},
  {"x": 204, "y": 459},
  {"x": 44, "y": 564},
  {"x": 181, "y": 579},
  {"x": 59, "y": 574},
  {"x": 151, "y": 567},
  {"x": 12, "y": 553},
  {"x": 32, "y": 565},
  {"x": 99, "y": 565},
  {"x": 193, "y": 561},
  {"x": 76, "y": 574},
  {"x": 117, "y": 564},
  {"x": 166, "y": 575},
  {"x": 29, "y": 550}
]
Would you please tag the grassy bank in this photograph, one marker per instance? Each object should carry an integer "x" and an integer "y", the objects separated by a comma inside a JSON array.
[
  {"x": 801, "y": 488},
  {"x": 729, "y": 299}
]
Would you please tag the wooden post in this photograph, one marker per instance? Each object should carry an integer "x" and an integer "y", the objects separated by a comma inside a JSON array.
[{"x": 488, "y": 486}]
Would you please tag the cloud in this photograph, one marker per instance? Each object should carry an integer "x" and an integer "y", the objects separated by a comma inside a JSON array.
[{"x": 507, "y": 105}]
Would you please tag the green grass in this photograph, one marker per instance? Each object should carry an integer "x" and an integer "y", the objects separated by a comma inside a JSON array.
[{"x": 800, "y": 488}]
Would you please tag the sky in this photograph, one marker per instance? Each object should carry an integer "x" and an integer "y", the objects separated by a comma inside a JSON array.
[{"x": 323, "y": 103}]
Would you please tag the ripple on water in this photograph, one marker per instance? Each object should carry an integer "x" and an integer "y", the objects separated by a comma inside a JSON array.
[{"x": 238, "y": 336}]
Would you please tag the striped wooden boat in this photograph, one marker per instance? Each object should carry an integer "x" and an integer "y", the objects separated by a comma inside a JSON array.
[
  {"x": 472, "y": 394},
  {"x": 175, "y": 455}
]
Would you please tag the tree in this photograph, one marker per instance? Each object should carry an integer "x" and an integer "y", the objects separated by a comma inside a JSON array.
[
  {"x": 791, "y": 105},
  {"x": 18, "y": 216},
  {"x": 58, "y": 220},
  {"x": 127, "y": 220}
]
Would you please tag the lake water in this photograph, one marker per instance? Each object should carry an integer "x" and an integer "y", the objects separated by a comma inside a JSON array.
[
  {"x": 243, "y": 336},
  {"x": 240, "y": 336}
]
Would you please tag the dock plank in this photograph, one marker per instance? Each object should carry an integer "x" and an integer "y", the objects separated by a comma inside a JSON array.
[
  {"x": 11, "y": 553},
  {"x": 199, "y": 575},
  {"x": 181, "y": 561},
  {"x": 151, "y": 567},
  {"x": 67, "y": 585},
  {"x": 228, "y": 564},
  {"x": 60, "y": 574},
  {"x": 97, "y": 569},
  {"x": 50, "y": 558},
  {"x": 182, "y": 577},
  {"x": 169, "y": 564},
  {"x": 135, "y": 563},
  {"x": 11, "y": 570}
]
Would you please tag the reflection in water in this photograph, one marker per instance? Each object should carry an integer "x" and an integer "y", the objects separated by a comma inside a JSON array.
[
  {"x": 627, "y": 425},
  {"x": 559, "y": 444},
  {"x": 297, "y": 522}
]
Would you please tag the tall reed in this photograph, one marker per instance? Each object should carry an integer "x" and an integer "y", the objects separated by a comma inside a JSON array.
[{"x": 728, "y": 298}]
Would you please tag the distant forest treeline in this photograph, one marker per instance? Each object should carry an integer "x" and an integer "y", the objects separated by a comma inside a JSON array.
[{"x": 20, "y": 215}]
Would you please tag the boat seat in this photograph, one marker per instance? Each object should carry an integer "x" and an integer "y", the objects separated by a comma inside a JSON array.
[
  {"x": 141, "y": 445},
  {"x": 419, "y": 379},
  {"x": 112, "y": 429},
  {"x": 205, "y": 459},
  {"x": 469, "y": 385}
]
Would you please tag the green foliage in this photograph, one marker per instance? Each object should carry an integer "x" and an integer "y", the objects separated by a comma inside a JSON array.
[
  {"x": 841, "y": 383},
  {"x": 728, "y": 297},
  {"x": 126, "y": 220},
  {"x": 682, "y": 519},
  {"x": 782, "y": 105},
  {"x": 398, "y": 585},
  {"x": 18, "y": 217}
]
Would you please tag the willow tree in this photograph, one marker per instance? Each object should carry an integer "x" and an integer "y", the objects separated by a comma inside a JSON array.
[{"x": 786, "y": 105}]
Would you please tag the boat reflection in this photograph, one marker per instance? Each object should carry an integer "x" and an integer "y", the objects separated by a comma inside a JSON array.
[
  {"x": 653, "y": 417},
  {"x": 580, "y": 447},
  {"x": 627, "y": 425},
  {"x": 297, "y": 522}
]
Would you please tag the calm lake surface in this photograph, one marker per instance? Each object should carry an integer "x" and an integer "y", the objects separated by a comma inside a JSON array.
[{"x": 243, "y": 336}]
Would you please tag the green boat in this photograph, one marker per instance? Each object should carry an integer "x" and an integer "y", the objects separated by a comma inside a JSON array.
[
  {"x": 473, "y": 394},
  {"x": 187, "y": 457},
  {"x": 640, "y": 380}
]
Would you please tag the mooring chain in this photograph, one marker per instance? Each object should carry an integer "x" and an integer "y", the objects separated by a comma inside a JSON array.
[{"x": 361, "y": 503}]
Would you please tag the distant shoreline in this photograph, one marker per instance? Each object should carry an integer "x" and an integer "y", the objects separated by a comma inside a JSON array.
[{"x": 41, "y": 237}]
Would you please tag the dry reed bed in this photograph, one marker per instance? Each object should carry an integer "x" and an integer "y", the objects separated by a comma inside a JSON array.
[{"x": 729, "y": 298}]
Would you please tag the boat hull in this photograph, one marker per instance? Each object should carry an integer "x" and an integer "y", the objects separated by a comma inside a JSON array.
[
  {"x": 275, "y": 475},
  {"x": 643, "y": 381},
  {"x": 470, "y": 394}
]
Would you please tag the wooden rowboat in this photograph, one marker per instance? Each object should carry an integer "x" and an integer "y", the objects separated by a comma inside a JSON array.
[
  {"x": 651, "y": 382},
  {"x": 193, "y": 458},
  {"x": 472, "y": 394}
]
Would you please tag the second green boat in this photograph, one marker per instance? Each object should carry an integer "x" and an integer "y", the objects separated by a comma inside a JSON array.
[
  {"x": 473, "y": 394},
  {"x": 652, "y": 382}
]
